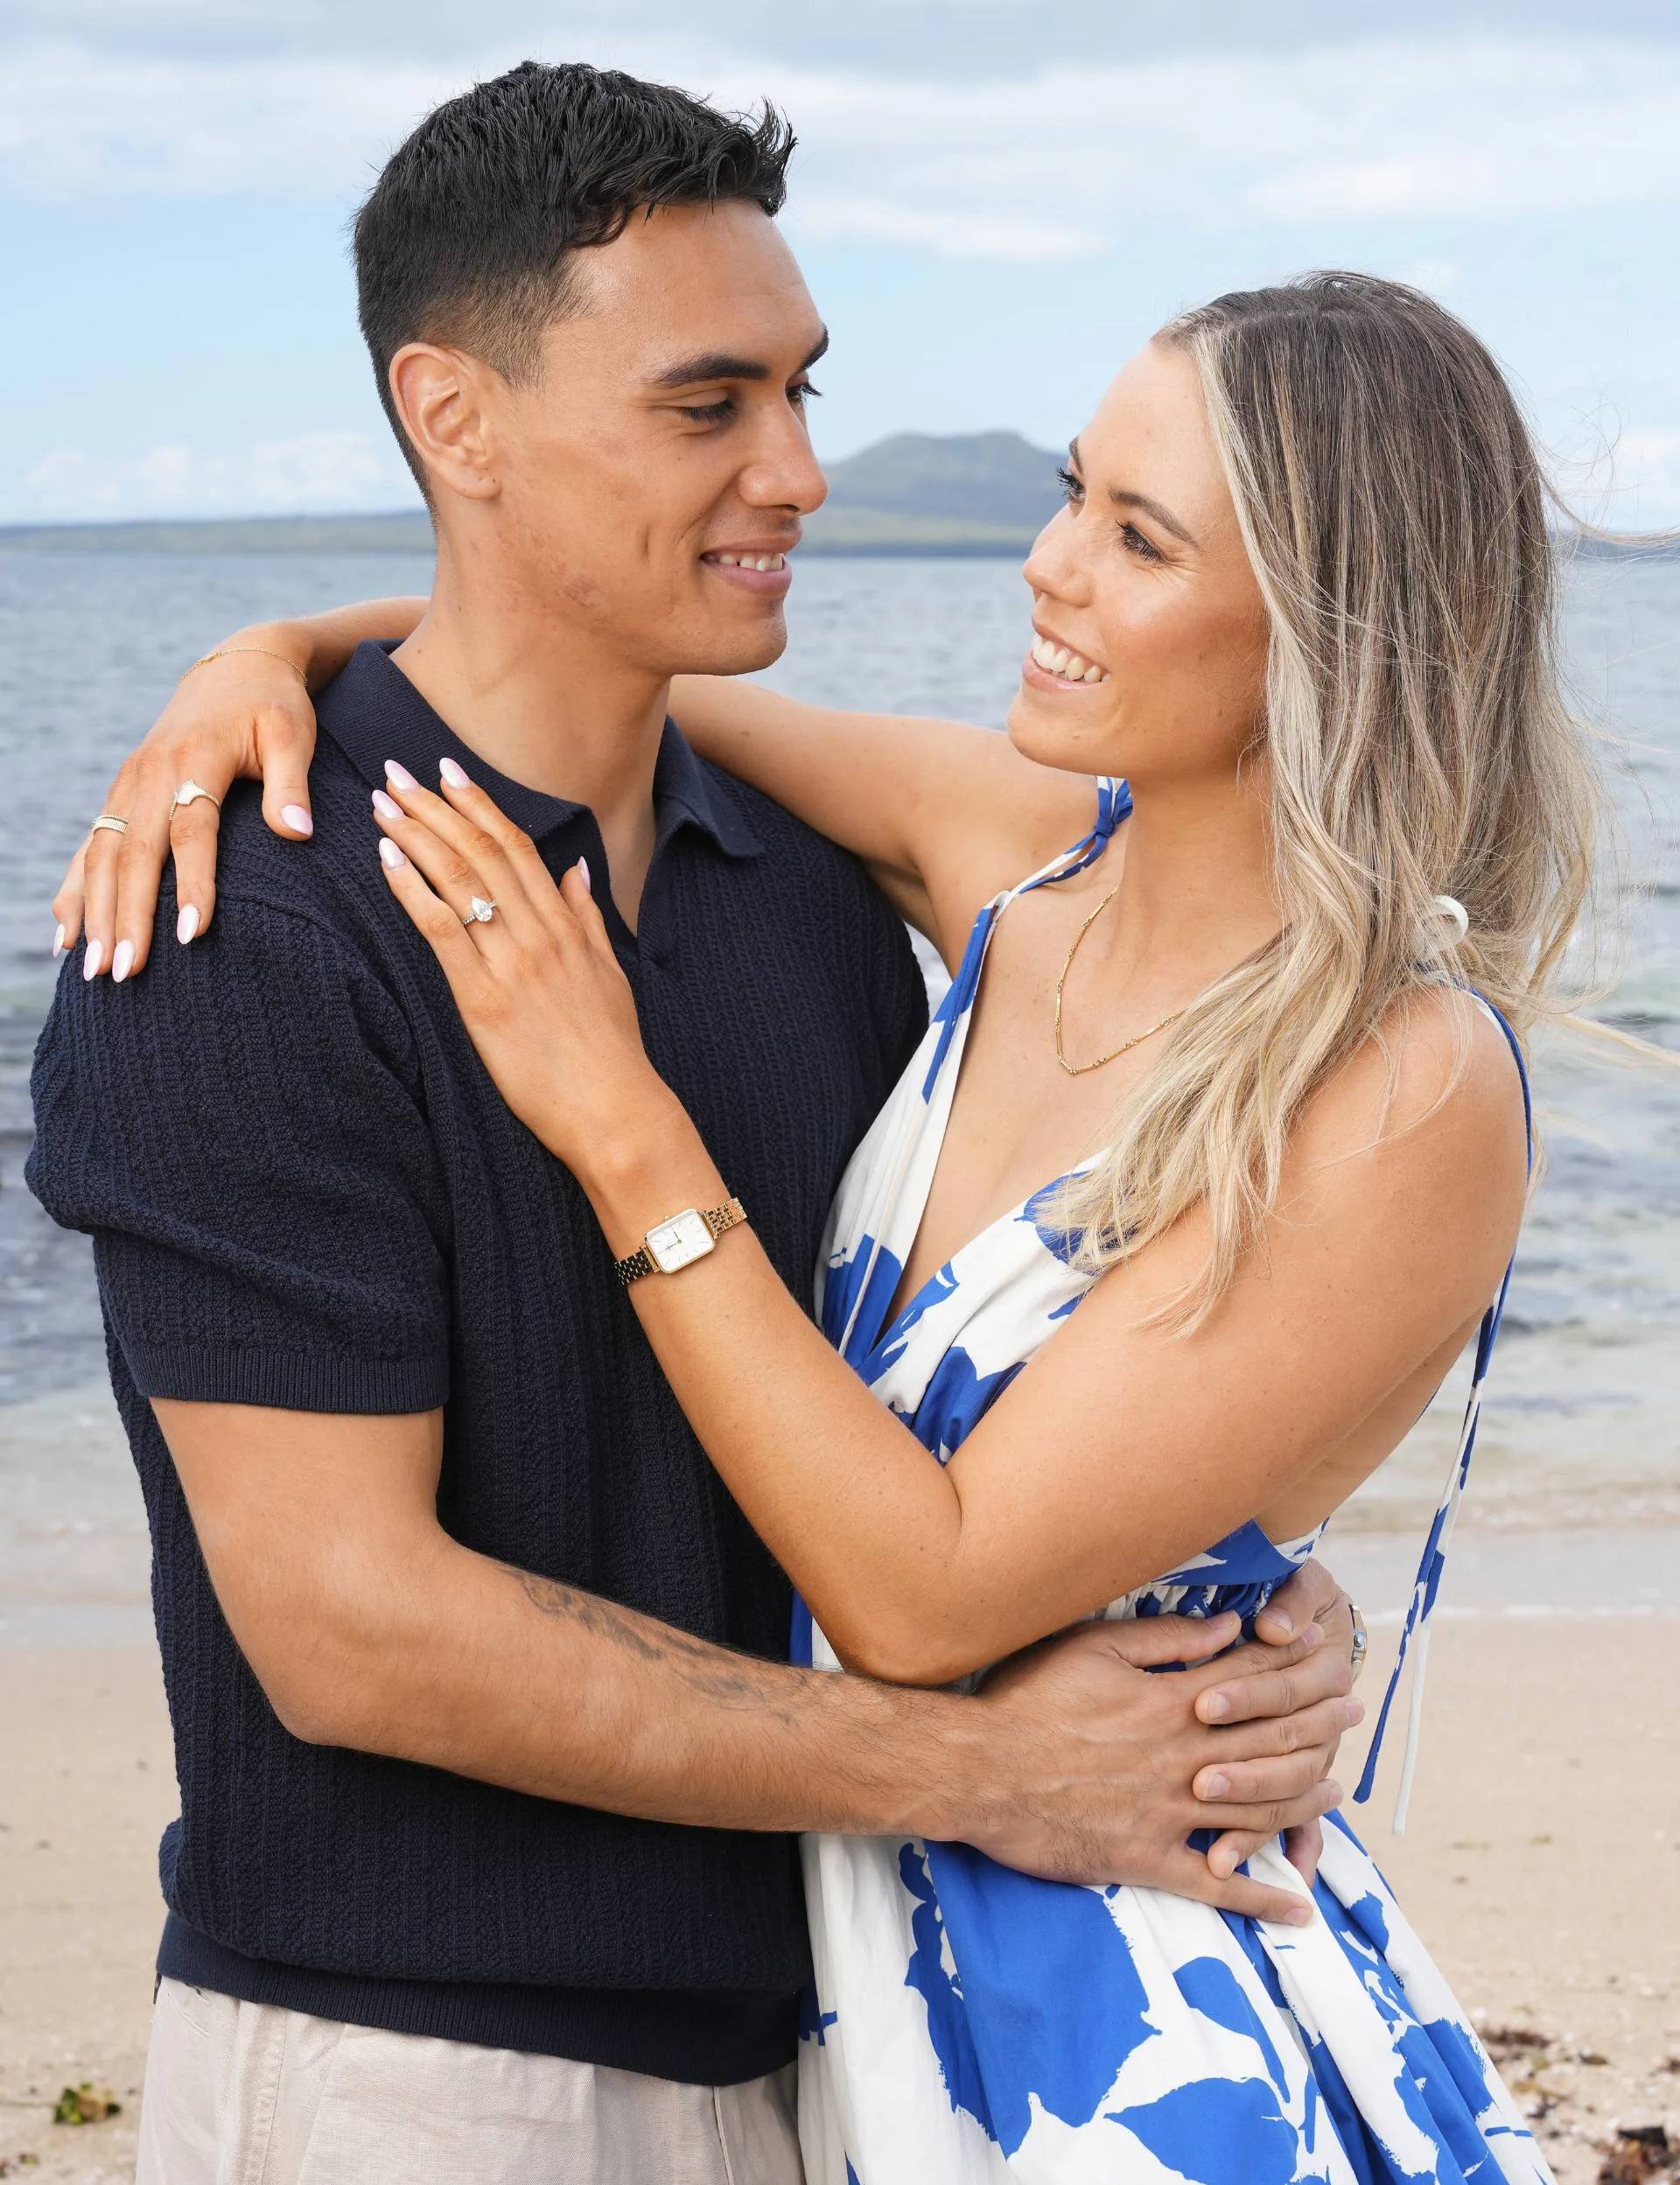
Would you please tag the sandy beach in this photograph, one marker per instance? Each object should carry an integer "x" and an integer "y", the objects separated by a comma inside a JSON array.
[{"x": 1542, "y": 1864}]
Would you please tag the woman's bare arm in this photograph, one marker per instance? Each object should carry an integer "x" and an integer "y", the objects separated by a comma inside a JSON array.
[
  {"x": 943, "y": 814},
  {"x": 246, "y": 714},
  {"x": 1123, "y": 1448}
]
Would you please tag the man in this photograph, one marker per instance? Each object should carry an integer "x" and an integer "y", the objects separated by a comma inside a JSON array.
[{"x": 488, "y": 1755}]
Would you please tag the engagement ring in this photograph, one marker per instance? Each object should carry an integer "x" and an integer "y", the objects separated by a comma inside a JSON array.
[{"x": 480, "y": 913}]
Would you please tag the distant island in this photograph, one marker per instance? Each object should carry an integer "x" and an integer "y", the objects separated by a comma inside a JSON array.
[
  {"x": 914, "y": 494},
  {"x": 917, "y": 493}
]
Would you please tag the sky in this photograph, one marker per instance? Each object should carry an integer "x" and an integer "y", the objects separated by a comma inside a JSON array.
[{"x": 995, "y": 202}]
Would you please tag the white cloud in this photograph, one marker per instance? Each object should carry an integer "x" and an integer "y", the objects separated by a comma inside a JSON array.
[
  {"x": 318, "y": 471},
  {"x": 79, "y": 123},
  {"x": 855, "y": 216},
  {"x": 1059, "y": 164}
]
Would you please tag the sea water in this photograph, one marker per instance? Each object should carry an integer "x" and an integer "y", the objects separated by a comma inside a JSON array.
[{"x": 1582, "y": 1425}]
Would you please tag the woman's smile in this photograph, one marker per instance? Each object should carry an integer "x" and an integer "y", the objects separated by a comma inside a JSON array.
[{"x": 1051, "y": 665}]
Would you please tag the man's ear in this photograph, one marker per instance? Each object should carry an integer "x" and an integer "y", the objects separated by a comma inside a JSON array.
[{"x": 448, "y": 405}]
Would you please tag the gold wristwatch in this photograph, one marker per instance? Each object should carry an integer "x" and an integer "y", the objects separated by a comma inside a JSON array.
[{"x": 678, "y": 1243}]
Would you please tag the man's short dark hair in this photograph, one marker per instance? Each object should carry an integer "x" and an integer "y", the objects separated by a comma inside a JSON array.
[{"x": 466, "y": 238}]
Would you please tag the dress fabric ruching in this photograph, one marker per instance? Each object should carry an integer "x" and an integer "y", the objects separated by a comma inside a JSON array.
[{"x": 969, "y": 2024}]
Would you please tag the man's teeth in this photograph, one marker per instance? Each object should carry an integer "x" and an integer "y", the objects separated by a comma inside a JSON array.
[
  {"x": 1057, "y": 660},
  {"x": 749, "y": 561}
]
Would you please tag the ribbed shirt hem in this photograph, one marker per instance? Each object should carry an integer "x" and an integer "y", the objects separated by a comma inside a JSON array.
[
  {"x": 287, "y": 1381},
  {"x": 702, "y": 2037}
]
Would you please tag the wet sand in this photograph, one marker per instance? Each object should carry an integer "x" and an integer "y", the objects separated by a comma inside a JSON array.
[{"x": 1542, "y": 1865}]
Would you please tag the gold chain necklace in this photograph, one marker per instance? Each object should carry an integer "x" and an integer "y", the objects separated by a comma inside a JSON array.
[{"x": 1081, "y": 1070}]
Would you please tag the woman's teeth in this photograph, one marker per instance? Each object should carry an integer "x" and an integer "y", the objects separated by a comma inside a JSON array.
[
  {"x": 1057, "y": 660},
  {"x": 749, "y": 561}
]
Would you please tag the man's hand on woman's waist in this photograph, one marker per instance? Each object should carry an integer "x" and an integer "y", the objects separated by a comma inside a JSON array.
[{"x": 1129, "y": 1763}]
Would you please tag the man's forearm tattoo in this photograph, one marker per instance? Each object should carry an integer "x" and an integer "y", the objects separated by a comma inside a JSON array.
[{"x": 730, "y": 1678}]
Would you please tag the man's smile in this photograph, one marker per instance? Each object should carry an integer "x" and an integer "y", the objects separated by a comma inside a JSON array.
[{"x": 752, "y": 566}]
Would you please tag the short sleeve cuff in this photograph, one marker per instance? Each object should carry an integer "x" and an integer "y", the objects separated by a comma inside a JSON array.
[{"x": 287, "y": 1381}]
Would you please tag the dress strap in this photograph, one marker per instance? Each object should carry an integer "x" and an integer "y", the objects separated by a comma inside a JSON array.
[
  {"x": 1414, "y": 1636},
  {"x": 1113, "y": 805}
]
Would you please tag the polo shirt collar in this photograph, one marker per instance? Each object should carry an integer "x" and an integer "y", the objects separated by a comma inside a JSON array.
[
  {"x": 372, "y": 712},
  {"x": 685, "y": 791}
]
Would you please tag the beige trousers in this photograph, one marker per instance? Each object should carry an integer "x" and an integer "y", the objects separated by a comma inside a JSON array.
[{"x": 246, "y": 2094}]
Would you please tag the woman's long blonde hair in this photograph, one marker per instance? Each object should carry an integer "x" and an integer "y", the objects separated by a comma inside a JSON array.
[{"x": 1395, "y": 510}]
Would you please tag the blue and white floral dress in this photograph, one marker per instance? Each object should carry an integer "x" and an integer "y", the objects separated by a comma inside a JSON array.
[{"x": 969, "y": 2024}]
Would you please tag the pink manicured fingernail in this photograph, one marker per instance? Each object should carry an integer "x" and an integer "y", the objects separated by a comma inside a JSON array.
[
  {"x": 58, "y": 943},
  {"x": 123, "y": 961},
  {"x": 187, "y": 924},
  {"x": 93, "y": 958},
  {"x": 389, "y": 856},
  {"x": 298, "y": 819},
  {"x": 456, "y": 776},
  {"x": 386, "y": 807},
  {"x": 583, "y": 867},
  {"x": 401, "y": 775}
]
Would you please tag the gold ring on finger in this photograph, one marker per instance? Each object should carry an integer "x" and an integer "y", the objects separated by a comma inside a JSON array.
[
  {"x": 480, "y": 912},
  {"x": 189, "y": 793},
  {"x": 111, "y": 822}
]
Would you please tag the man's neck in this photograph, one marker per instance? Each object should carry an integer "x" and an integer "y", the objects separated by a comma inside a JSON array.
[{"x": 541, "y": 706}]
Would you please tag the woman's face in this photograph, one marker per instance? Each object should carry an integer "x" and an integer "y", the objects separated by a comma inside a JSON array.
[{"x": 1144, "y": 578}]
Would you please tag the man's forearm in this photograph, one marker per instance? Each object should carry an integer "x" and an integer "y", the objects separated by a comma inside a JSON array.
[
  {"x": 521, "y": 1681},
  {"x": 1077, "y": 1764},
  {"x": 368, "y": 1626}
]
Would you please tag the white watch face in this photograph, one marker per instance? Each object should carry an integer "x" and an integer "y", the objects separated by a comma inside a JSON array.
[{"x": 679, "y": 1242}]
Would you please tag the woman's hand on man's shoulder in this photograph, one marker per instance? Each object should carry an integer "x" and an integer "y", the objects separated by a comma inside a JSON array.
[{"x": 244, "y": 713}]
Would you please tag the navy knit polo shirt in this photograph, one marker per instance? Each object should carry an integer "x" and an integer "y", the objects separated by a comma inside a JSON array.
[{"x": 304, "y": 1191}]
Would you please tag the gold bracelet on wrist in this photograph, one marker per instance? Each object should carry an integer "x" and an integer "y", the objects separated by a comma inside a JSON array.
[{"x": 222, "y": 652}]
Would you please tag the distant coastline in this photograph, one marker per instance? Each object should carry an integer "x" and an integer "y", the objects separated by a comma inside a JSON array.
[
  {"x": 404, "y": 531},
  {"x": 916, "y": 493},
  {"x": 839, "y": 531}
]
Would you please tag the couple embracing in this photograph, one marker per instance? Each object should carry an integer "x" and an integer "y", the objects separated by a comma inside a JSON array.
[{"x": 457, "y": 1188}]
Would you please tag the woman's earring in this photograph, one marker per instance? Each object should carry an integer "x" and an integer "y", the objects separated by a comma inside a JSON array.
[{"x": 1455, "y": 913}]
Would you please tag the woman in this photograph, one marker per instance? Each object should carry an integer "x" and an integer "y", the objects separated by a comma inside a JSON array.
[{"x": 1224, "y": 1089}]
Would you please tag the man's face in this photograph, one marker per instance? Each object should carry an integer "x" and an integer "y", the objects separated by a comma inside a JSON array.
[{"x": 664, "y": 451}]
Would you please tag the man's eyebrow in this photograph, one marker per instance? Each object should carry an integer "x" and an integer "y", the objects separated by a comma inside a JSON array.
[{"x": 722, "y": 364}]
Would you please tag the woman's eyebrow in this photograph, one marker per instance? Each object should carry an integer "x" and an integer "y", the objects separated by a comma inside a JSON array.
[{"x": 1123, "y": 498}]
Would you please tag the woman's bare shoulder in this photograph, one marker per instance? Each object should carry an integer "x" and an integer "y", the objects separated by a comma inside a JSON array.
[{"x": 1437, "y": 1084}]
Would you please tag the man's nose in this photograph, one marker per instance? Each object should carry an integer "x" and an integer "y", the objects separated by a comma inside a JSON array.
[{"x": 784, "y": 472}]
